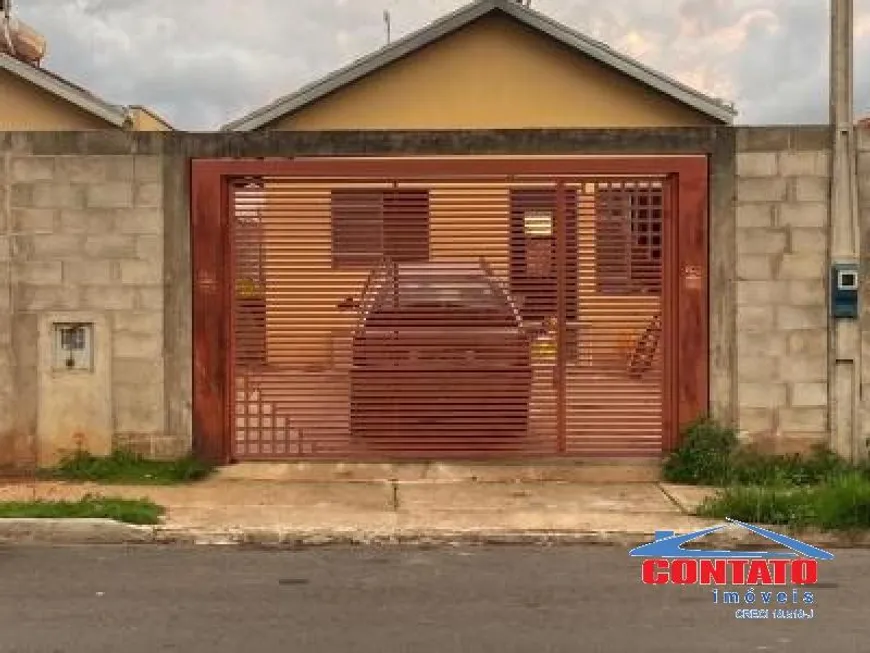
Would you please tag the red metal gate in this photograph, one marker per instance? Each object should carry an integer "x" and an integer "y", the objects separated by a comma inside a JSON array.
[{"x": 448, "y": 307}]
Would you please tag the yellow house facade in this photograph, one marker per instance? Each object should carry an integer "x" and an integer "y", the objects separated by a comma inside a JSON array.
[
  {"x": 35, "y": 99},
  {"x": 493, "y": 64}
]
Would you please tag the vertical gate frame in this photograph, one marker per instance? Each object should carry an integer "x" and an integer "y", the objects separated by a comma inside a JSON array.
[
  {"x": 685, "y": 290},
  {"x": 561, "y": 319}
]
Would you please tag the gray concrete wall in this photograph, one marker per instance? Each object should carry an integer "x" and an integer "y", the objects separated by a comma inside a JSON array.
[
  {"x": 97, "y": 225},
  {"x": 783, "y": 221},
  {"x": 8, "y": 453},
  {"x": 86, "y": 240}
]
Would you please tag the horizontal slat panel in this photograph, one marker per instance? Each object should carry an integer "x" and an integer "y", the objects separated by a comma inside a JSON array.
[{"x": 418, "y": 318}]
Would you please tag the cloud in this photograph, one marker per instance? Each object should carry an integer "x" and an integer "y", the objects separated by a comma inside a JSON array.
[{"x": 206, "y": 62}]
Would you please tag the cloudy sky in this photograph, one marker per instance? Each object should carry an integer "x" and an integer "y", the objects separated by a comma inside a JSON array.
[{"x": 203, "y": 62}]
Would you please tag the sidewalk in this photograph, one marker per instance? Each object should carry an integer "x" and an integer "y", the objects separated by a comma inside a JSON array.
[
  {"x": 276, "y": 513},
  {"x": 226, "y": 509}
]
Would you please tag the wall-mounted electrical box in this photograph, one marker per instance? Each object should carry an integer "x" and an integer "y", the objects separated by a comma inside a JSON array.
[
  {"x": 844, "y": 290},
  {"x": 73, "y": 347}
]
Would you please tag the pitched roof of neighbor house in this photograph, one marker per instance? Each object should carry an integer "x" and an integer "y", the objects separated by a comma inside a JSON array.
[
  {"x": 56, "y": 85},
  {"x": 153, "y": 114},
  {"x": 455, "y": 21}
]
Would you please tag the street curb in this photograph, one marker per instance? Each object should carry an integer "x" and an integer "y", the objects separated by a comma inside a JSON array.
[
  {"x": 107, "y": 531},
  {"x": 73, "y": 531},
  {"x": 290, "y": 538}
]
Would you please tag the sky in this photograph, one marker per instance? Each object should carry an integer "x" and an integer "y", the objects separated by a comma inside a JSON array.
[{"x": 201, "y": 63}]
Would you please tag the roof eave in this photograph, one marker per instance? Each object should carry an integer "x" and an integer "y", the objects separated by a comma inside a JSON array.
[
  {"x": 113, "y": 115},
  {"x": 153, "y": 114},
  {"x": 621, "y": 62},
  {"x": 360, "y": 68}
]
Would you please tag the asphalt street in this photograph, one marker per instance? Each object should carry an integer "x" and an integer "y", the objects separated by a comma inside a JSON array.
[{"x": 501, "y": 599}]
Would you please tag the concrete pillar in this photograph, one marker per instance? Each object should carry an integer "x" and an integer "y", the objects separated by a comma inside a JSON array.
[{"x": 844, "y": 388}]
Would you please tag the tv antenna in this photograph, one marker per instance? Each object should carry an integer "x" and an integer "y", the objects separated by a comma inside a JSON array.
[{"x": 387, "y": 25}]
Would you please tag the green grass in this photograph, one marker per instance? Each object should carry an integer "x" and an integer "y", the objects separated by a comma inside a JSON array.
[
  {"x": 129, "y": 511},
  {"x": 817, "y": 490},
  {"x": 704, "y": 455},
  {"x": 709, "y": 454},
  {"x": 840, "y": 502},
  {"x": 124, "y": 467}
]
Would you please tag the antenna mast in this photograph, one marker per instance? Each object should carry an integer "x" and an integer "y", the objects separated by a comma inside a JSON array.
[{"x": 387, "y": 24}]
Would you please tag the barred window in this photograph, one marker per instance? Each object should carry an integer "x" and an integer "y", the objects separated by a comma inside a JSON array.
[{"x": 629, "y": 240}]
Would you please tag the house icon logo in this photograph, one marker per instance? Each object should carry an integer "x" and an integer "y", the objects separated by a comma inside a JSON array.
[
  {"x": 667, "y": 544},
  {"x": 667, "y": 561},
  {"x": 761, "y": 575}
]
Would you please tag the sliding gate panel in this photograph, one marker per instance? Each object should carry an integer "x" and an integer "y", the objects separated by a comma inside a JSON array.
[{"x": 385, "y": 323}]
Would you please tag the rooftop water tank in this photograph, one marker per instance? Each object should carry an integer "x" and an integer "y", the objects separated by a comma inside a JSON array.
[{"x": 21, "y": 41}]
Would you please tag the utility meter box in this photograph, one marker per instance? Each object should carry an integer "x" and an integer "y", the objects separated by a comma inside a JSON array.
[
  {"x": 73, "y": 347},
  {"x": 844, "y": 290}
]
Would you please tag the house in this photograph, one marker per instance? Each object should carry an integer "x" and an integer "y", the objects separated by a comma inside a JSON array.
[
  {"x": 143, "y": 119},
  {"x": 198, "y": 300},
  {"x": 36, "y": 99},
  {"x": 493, "y": 64}
]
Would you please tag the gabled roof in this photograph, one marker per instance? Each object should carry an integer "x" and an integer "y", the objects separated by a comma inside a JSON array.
[
  {"x": 66, "y": 90},
  {"x": 153, "y": 114},
  {"x": 461, "y": 18}
]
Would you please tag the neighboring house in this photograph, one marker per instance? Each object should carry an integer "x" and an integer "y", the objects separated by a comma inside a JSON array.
[
  {"x": 35, "y": 99},
  {"x": 491, "y": 64},
  {"x": 144, "y": 119}
]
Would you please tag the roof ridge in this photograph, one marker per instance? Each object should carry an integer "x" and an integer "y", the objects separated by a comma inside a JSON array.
[
  {"x": 458, "y": 19},
  {"x": 374, "y": 54}
]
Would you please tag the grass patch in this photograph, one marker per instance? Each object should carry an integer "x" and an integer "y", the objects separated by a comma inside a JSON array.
[
  {"x": 709, "y": 454},
  {"x": 125, "y": 467},
  {"x": 819, "y": 490},
  {"x": 840, "y": 502},
  {"x": 130, "y": 511},
  {"x": 704, "y": 455}
]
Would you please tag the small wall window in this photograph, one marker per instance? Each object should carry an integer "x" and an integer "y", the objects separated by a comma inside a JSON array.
[
  {"x": 368, "y": 225},
  {"x": 629, "y": 240}
]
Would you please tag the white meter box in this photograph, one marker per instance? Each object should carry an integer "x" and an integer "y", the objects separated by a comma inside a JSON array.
[{"x": 73, "y": 347}]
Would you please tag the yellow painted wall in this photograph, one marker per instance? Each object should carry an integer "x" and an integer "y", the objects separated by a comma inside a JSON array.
[
  {"x": 495, "y": 73},
  {"x": 305, "y": 329},
  {"x": 25, "y": 107},
  {"x": 146, "y": 121}
]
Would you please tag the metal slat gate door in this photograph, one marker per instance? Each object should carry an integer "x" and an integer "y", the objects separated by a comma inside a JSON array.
[{"x": 436, "y": 308}]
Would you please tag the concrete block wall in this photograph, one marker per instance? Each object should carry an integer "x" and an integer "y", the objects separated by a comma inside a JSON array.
[
  {"x": 782, "y": 215},
  {"x": 84, "y": 242},
  {"x": 8, "y": 452},
  {"x": 97, "y": 226}
]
